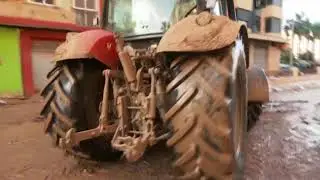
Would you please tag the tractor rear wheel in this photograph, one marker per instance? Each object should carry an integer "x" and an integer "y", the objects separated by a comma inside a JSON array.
[
  {"x": 72, "y": 97},
  {"x": 207, "y": 106}
]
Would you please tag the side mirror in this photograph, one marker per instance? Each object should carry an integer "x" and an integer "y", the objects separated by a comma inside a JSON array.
[{"x": 96, "y": 21}]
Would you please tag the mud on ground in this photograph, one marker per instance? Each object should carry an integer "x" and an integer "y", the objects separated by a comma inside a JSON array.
[{"x": 285, "y": 144}]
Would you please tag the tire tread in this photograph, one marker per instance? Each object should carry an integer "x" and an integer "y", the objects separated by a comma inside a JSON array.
[{"x": 205, "y": 143}]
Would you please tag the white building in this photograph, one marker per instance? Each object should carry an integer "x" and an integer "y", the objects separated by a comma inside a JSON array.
[{"x": 302, "y": 45}]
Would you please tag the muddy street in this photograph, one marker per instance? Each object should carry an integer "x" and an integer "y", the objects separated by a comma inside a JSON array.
[{"x": 284, "y": 144}]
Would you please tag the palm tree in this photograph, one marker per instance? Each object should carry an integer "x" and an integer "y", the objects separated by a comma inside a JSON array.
[
  {"x": 316, "y": 34},
  {"x": 301, "y": 26},
  {"x": 316, "y": 30}
]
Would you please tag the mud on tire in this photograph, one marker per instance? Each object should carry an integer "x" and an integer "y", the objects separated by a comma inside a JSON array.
[
  {"x": 72, "y": 98},
  {"x": 198, "y": 116}
]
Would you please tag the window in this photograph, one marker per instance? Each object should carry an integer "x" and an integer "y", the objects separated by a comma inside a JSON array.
[
  {"x": 243, "y": 15},
  {"x": 273, "y": 25},
  {"x": 258, "y": 4},
  {"x": 274, "y": 2},
  {"x": 256, "y": 24},
  {"x": 86, "y": 11},
  {"x": 44, "y": 2}
]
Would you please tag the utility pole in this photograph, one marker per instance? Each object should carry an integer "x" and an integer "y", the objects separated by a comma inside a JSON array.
[{"x": 292, "y": 37}]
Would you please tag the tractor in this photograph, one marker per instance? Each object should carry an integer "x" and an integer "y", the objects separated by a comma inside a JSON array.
[{"x": 175, "y": 71}]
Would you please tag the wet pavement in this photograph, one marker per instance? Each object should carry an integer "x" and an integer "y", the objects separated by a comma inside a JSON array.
[{"x": 284, "y": 144}]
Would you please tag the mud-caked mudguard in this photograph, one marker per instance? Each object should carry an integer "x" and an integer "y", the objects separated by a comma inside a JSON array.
[
  {"x": 199, "y": 33},
  {"x": 205, "y": 32},
  {"x": 93, "y": 44},
  {"x": 258, "y": 86}
]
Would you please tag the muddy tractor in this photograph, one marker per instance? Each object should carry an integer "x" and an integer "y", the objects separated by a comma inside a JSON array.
[{"x": 175, "y": 71}]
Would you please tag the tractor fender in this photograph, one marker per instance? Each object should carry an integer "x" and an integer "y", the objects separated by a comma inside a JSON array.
[
  {"x": 92, "y": 44},
  {"x": 199, "y": 33},
  {"x": 258, "y": 87}
]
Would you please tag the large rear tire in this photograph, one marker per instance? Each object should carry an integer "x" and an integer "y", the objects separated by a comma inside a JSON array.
[
  {"x": 72, "y": 98},
  {"x": 207, "y": 106}
]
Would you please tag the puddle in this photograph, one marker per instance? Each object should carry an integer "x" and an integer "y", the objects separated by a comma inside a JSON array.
[
  {"x": 305, "y": 125},
  {"x": 286, "y": 143},
  {"x": 284, "y": 106}
]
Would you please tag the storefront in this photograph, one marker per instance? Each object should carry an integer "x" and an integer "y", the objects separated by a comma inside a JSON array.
[
  {"x": 265, "y": 51},
  {"x": 37, "y": 51},
  {"x": 26, "y": 51},
  {"x": 10, "y": 66}
]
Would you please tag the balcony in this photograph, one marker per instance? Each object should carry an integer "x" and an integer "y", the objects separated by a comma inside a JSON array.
[{"x": 24, "y": 9}]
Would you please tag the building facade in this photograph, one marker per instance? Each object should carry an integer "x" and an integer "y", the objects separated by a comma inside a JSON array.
[
  {"x": 30, "y": 31},
  {"x": 301, "y": 44},
  {"x": 263, "y": 19}
]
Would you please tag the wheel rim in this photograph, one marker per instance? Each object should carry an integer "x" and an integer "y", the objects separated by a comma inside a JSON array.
[
  {"x": 239, "y": 119},
  {"x": 238, "y": 109}
]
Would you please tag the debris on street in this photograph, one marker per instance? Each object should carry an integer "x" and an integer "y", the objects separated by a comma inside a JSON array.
[{"x": 3, "y": 102}]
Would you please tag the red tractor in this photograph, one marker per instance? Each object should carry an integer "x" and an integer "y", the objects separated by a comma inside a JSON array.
[{"x": 186, "y": 82}]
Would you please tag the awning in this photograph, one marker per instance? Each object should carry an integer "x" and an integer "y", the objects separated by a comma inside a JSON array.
[
  {"x": 41, "y": 24},
  {"x": 267, "y": 37}
]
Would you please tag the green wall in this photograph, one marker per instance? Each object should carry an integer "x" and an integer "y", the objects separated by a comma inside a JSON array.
[{"x": 10, "y": 66}]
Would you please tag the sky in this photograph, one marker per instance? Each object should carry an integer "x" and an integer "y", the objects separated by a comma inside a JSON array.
[{"x": 311, "y": 9}]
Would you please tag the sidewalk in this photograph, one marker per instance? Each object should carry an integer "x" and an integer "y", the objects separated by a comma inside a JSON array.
[
  {"x": 288, "y": 80},
  {"x": 294, "y": 83}
]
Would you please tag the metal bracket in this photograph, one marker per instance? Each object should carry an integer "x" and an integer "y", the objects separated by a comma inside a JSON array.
[{"x": 73, "y": 138}]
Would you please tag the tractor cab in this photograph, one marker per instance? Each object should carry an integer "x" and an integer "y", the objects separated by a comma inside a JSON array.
[{"x": 149, "y": 19}]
